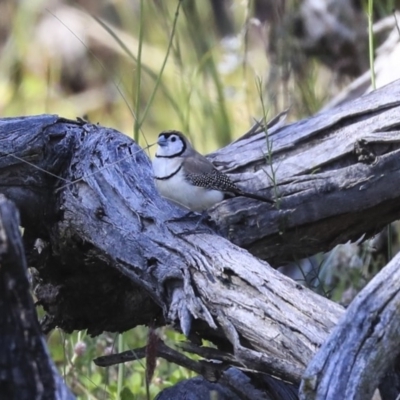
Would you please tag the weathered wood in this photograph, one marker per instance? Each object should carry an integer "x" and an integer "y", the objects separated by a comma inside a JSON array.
[
  {"x": 229, "y": 379},
  {"x": 26, "y": 370},
  {"x": 327, "y": 196},
  {"x": 115, "y": 255},
  {"x": 362, "y": 347}
]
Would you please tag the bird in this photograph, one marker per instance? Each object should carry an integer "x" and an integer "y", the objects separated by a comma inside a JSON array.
[{"x": 189, "y": 179}]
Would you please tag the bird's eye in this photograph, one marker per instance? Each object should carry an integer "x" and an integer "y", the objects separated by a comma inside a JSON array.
[{"x": 173, "y": 139}]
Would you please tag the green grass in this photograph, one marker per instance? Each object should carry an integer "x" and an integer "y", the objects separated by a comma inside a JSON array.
[
  {"x": 145, "y": 80},
  {"x": 74, "y": 354}
]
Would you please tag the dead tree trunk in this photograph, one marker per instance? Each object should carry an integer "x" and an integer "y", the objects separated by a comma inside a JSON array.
[
  {"x": 334, "y": 173},
  {"x": 114, "y": 254},
  {"x": 363, "y": 346},
  {"x": 26, "y": 370}
]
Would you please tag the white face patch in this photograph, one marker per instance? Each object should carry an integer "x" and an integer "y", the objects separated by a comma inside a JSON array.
[{"x": 170, "y": 145}]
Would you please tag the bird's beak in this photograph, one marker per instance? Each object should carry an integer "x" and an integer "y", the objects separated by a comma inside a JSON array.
[{"x": 162, "y": 141}]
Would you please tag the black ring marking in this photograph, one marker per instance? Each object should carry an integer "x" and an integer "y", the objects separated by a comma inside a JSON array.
[
  {"x": 176, "y": 154},
  {"x": 163, "y": 178}
]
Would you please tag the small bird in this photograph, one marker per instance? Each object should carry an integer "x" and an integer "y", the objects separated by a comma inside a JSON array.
[{"x": 188, "y": 178}]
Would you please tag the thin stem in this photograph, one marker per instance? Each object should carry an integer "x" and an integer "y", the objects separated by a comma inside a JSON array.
[
  {"x": 121, "y": 367},
  {"x": 149, "y": 103},
  {"x": 371, "y": 42},
  {"x": 138, "y": 76}
]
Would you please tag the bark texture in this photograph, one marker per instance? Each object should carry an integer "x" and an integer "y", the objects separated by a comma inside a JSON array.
[
  {"x": 102, "y": 225},
  {"x": 26, "y": 370},
  {"x": 112, "y": 254},
  {"x": 334, "y": 177},
  {"x": 362, "y": 347}
]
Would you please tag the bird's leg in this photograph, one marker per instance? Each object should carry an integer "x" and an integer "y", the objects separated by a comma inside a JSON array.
[
  {"x": 187, "y": 215},
  {"x": 204, "y": 217}
]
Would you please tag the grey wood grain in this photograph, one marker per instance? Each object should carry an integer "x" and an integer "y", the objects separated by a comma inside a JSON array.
[
  {"x": 26, "y": 369},
  {"x": 362, "y": 347},
  {"x": 114, "y": 254},
  {"x": 326, "y": 194}
]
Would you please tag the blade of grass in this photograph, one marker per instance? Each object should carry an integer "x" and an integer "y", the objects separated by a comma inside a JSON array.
[
  {"x": 121, "y": 367},
  {"x": 269, "y": 143},
  {"x": 95, "y": 58},
  {"x": 145, "y": 68},
  {"x": 222, "y": 123},
  {"x": 373, "y": 84},
  {"x": 159, "y": 76},
  {"x": 371, "y": 42},
  {"x": 136, "y": 129}
]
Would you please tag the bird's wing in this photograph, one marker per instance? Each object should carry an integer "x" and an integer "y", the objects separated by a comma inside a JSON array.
[{"x": 201, "y": 172}]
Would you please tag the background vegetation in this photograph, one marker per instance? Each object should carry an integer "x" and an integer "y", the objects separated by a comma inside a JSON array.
[{"x": 145, "y": 66}]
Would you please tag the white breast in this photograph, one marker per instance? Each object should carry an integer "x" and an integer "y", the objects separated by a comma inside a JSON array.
[
  {"x": 163, "y": 167},
  {"x": 179, "y": 190}
]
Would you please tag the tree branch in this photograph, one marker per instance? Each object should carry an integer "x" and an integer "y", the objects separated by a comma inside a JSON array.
[
  {"x": 113, "y": 254},
  {"x": 26, "y": 370},
  {"x": 363, "y": 346},
  {"x": 327, "y": 193}
]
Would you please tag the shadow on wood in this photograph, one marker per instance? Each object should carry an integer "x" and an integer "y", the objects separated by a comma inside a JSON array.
[
  {"x": 26, "y": 370},
  {"x": 114, "y": 254}
]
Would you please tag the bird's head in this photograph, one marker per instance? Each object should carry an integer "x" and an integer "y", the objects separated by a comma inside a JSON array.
[{"x": 171, "y": 144}]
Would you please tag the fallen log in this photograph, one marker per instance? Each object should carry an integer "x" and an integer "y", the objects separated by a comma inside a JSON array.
[{"x": 112, "y": 254}]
